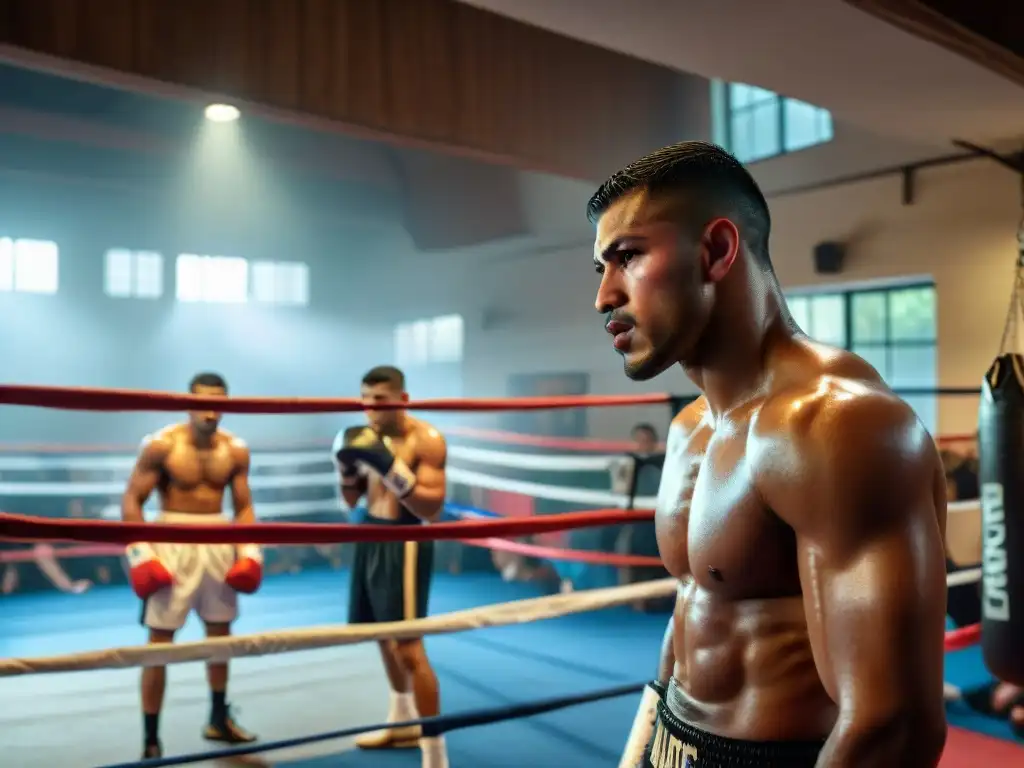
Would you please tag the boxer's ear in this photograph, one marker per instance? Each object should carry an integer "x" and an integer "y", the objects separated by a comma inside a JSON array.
[{"x": 720, "y": 245}]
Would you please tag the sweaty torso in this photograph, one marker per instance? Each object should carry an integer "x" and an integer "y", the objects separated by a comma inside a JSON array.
[
  {"x": 381, "y": 503},
  {"x": 744, "y": 667},
  {"x": 193, "y": 479}
]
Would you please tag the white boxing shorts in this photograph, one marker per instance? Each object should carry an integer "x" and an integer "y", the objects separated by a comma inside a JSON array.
[{"x": 199, "y": 571}]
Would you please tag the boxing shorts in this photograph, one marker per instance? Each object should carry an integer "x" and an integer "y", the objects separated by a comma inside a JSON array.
[
  {"x": 390, "y": 579},
  {"x": 199, "y": 571},
  {"x": 675, "y": 744}
]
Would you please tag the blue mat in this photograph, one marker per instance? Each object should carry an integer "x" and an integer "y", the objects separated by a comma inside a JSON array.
[{"x": 477, "y": 669}]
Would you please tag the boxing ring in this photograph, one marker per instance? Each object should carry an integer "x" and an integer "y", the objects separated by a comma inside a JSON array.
[{"x": 527, "y": 679}]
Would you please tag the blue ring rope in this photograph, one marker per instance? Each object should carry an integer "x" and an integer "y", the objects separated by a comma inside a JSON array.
[{"x": 432, "y": 726}]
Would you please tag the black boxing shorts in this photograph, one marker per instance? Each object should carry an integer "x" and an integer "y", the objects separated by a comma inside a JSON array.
[
  {"x": 390, "y": 580},
  {"x": 675, "y": 744}
]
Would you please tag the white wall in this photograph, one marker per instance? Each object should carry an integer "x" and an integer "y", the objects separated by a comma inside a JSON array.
[
  {"x": 961, "y": 230},
  {"x": 529, "y": 308}
]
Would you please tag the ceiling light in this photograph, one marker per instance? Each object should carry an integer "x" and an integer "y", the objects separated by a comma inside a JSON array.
[{"x": 222, "y": 113}]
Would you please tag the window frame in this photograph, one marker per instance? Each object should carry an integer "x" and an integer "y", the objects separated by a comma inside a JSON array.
[
  {"x": 204, "y": 262},
  {"x": 887, "y": 344},
  {"x": 403, "y": 334},
  {"x": 135, "y": 258},
  {"x": 731, "y": 111},
  {"x": 11, "y": 283},
  {"x": 277, "y": 269}
]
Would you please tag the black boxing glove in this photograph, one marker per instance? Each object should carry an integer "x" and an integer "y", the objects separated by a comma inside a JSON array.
[
  {"x": 350, "y": 474},
  {"x": 362, "y": 450}
]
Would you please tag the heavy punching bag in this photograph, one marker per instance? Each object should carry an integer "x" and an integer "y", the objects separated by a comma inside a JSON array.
[{"x": 1001, "y": 472}]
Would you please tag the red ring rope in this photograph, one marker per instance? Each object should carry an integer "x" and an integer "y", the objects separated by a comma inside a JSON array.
[
  {"x": 95, "y": 399},
  {"x": 955, "y": 640},
  {"x": 964, "y": 637},
  {"x": 22, "y": 527}
]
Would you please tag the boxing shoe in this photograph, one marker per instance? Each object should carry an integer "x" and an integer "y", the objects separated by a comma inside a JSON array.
[
  {"x": 228, "y": 731},
  {"x": 403, "y": 737},
  {"x": 151, "y": 750}
]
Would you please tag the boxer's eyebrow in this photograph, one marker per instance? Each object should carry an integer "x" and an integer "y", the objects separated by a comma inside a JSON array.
[{"x": 618, "y": 244}]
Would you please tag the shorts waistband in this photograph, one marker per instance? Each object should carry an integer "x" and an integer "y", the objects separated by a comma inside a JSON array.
[
  {"x": 676, "y": 744},
  {"x": 194, "y": 518}
]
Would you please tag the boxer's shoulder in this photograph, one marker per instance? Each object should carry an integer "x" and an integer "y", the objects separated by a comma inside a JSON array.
[
  {"x": 835, "y": 441},
  {"x": 430, "y": 443},
  {"x": 160, "y": 442},
  {"x": 235, "y": 447},
  {"x": 816, "y": 412}
]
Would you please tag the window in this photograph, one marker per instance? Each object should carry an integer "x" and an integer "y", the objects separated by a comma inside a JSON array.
[
  {"x": 138, "y": 274},
  {"x": 28, "y": 266},
  {"x": 761, "y": 124},
  {"x": 280, "y": 282},
  {"x": 436, "y": 340},
  {"x": 893, "y": 328},
  {"x": 212, "y": 279}
]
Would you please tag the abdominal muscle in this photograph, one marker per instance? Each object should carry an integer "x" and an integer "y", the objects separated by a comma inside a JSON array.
[
  {"x": 200, "y": 500},
  {"x": 744, "y": 670}
]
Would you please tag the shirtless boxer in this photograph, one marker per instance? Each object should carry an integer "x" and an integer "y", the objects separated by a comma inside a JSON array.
[
  {"x": 802, "y": 504},
  {"x": 190, "y": 466},
  {"x": 398, "y": 463}
]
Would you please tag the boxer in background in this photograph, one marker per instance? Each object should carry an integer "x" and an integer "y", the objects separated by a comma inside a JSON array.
[
  {"x": 802, "y": 504},
  {"x": 640, "y": 477},
  {"x": 190, "y": 466},
  {"x": 398, "y": 463}
]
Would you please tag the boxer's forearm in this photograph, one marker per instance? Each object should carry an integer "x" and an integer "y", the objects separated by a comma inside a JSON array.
[
  {"x": 131, "y": 509},
  {"x": 667, "y": 661},
  {"x": 425, "y": 502},
  {"x": 246, "y": 514},
  {"x": 882, "y": 743}
]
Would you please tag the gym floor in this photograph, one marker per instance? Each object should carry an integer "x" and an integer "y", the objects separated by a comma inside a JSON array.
[{"x": 88, "y": 719}]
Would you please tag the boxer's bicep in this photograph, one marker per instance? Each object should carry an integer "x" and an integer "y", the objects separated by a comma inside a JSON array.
[
  {"x": 875, "y": 611},
  {"x": 145, "y": 474},
  {"x": 241, "y": 492},
  {"x": 871, "y": 560},
  {"x": 428, "y": 495}
]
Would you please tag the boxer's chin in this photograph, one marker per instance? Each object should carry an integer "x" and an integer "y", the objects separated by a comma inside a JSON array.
[{"x": 642, "y": 366}]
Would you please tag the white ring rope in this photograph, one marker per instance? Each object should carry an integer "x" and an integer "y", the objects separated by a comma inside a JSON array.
[
  {"x": 221, "y": 649},
  {"x": 260, "y": 460},
  {"x": 328, "y": 481},
  {"x": 537, "y": 462},
  {"x": 124, "y": 463},
  {"x": 572, "y": 495},
  {"x": 959, "y": 578}
]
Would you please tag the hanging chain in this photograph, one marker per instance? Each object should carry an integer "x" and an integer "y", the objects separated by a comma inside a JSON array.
[{"x": 1011, "y": 332}]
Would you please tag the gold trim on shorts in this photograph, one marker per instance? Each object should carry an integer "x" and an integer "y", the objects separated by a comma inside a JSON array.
[
  {"x": 409, "y": 579},
  {"x": 669, "y": 751}
]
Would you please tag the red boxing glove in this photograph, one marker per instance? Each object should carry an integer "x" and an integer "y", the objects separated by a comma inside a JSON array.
[
  {"x": 246, "y": 574},
  {"x": 148, "y": 575}
]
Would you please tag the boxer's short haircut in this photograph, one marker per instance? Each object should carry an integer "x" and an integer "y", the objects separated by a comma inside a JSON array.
[
  {"x": 385, "y": 374},
  {"x": 644, "y": 427},
  {"x": 711, "y": 183},
  {"x": 208, "y": 379}
]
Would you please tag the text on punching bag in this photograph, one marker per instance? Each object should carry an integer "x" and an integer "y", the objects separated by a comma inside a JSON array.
[{"x": 996, "y": 602}]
